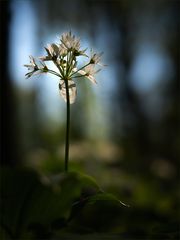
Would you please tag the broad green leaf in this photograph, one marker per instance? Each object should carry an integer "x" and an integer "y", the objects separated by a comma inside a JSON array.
[
  {"x": 103, "y": 197},
  {"x": 100, "y": 213},
  {"x": 26, "y": 201},
  {"x": 72, "y": 199},
  {"x": 88, "y": 184},
  {"x": 106, "y": 197}
]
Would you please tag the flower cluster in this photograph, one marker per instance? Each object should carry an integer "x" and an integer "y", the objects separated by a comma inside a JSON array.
[{"x": 64, "y": 55}]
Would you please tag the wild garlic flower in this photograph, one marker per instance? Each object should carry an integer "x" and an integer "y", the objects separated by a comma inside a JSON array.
[
  {"x": 70, "y": 42},
  {"x": 89, "y": 71},
  {"x": 34, "y": 68},
  {"x": 52, "y": 51},
  {"x": 95, "y": 58},
  {"x": 65, "y": 55}
]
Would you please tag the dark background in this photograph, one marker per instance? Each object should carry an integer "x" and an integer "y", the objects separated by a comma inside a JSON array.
[{"x": 125, "y": 131}]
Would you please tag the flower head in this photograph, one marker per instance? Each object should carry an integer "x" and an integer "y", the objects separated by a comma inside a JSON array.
[{"x": 64, "y": 55}]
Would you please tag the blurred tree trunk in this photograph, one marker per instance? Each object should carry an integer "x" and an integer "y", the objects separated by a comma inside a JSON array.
[
  {"x": 9, "y": 148},
  {"x": 128, "y": 107}
]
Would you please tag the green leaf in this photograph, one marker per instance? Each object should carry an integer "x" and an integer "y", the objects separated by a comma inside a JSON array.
[
  {"x": 88, "y": 184},
  {"x": 103, "y": 197},
  {"x": 68, "y": 200},
  {"x": 26, "y": 201},
  {"x": 101, "y": 213},
  {"x": 106, "y": 197}
]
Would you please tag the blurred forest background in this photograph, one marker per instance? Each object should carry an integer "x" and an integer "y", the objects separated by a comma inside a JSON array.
[{"x": 124, "y": 131}]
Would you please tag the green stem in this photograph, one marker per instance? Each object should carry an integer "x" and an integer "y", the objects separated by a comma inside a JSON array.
[
  {"x": 67, "y": 125},
  {"x": 79, "y": 69},
  {"x": 53, "y": 72}
]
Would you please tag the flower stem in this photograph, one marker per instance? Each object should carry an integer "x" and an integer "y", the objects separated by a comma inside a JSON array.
[
  {"x": 67, "y": 126},
  {"x": 79, "y": 69}
]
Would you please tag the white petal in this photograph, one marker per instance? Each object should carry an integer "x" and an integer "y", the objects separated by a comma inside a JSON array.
[
  {"x": 55, "y": 49},
  {"x": 72, "y": 90},
  {"x": 74, "y": 69},
  {"x": 82, "y": 72},
  {"x": 92, "y": 79}
]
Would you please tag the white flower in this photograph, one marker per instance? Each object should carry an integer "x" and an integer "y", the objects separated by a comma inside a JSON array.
[
  {"x": 89, "y": 72},
  {"x": 32, "y": 64},
  {"x": 95, "y": 58},
  {"x": 64, "y": 56},
  {"x": 34, "y": 68},
  {"x": 62, "y": 50},
  {"x": 71, "y": 43},
  {"x": 52, "y": 51}
]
